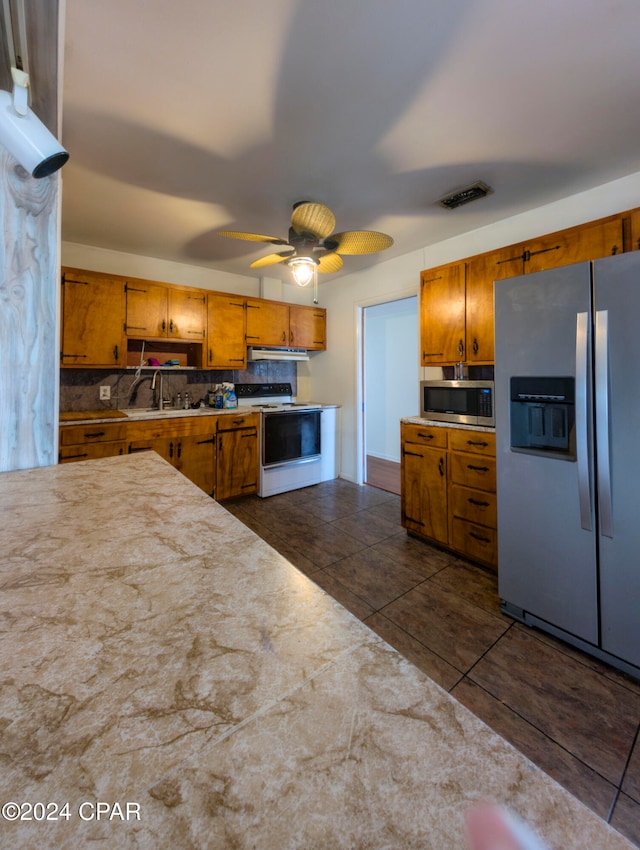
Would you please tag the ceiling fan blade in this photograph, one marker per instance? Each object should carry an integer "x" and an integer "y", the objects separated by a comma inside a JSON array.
[
  {"x": 316, "y": 219},
  {"x": 359, "y": 242},
  {"x": 252, "y": 237},
  {"x": 270, "y": 259},
  {"x": 329, "y": 263}
]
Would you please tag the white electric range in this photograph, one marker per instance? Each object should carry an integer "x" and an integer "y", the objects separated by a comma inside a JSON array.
[{"x": 292, "y": 437}]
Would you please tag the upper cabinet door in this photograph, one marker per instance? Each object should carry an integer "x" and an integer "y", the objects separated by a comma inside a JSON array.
[
  {"x": 226, "y": 328},
  {"x": 587, "y": 242},
  {"x": 187, "y": 314},
  {"x": 442, "y": 315},
  {"x": 146, "y": 309},
  {"x": 267, "y": 323},
  {"x": 481, "y": 272},
  {"x": 307, "y": 327},
  {"x": 92, "y": 321}
]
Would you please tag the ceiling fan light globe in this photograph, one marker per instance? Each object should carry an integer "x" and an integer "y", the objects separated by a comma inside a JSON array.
[{"x": 303, "y": 270}]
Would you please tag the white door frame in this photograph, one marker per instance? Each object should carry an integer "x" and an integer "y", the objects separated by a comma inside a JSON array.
[{"x": 359, "y": 320}]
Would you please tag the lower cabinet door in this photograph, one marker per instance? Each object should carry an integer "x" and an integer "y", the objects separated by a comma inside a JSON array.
[
  {"x": 237, "y": 463},
  {"x": 195, "y": 458},
  {"x": 424, "y": 489}
]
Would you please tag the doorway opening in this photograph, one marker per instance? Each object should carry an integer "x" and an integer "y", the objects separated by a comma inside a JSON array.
[{"x": 390, "y": 381}]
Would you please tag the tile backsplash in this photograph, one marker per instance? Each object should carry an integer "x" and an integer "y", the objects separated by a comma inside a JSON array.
[{"x": 80, "y": 388}]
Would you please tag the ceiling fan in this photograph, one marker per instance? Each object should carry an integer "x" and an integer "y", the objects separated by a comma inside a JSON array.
[{"x": 312, "y": 246}]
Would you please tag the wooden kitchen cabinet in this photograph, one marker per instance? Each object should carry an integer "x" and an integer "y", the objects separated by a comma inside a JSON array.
[
  {"x": 283, "y": 325},
  {"x": 456, "y": 301},
  {"x": 92, "y": 314},
  {"x": 442, "y": 314},
  {"x": 267, "y": 323},
  {"x": 87, "y": 442},
  {"x": 226, "y": 330},
  {"x": 187, "y": 443},
  {"x": 156, "y": 311},
  {"x": 237, "y": 460},
  {"x": 587, "y": 242},
  {"x": 424, "y": 481},
  {"x": 308, "y": 327},
  {"x": 457, "y": 509}
]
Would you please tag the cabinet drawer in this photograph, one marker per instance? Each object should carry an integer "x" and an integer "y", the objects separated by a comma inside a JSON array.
[
  {"x": 476, "y": 541},
  {"x": 477, "y": 506},
  {"x": 230, "y": 421},
  {"x": 74, "y": 435},
  {"x": 425, "y": 435},
  {"x": 91, "y": 451},
  {"x": 478, "y": 442},
  {"x": 183, "y": 426},
  {"x": 475, "y": 472}
]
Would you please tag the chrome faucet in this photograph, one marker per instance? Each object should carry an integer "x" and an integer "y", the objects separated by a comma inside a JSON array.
[{"x": 158, "y": 393}]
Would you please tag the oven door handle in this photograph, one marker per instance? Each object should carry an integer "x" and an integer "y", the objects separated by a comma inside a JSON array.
[{"x": 296, "y": 462}]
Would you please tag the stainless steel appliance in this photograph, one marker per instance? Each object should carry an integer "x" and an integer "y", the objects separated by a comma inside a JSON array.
[
  {"x": 291, "y": 437},
  {"x": 568, "y": 460},
  {"x": 465, "y": 402}
]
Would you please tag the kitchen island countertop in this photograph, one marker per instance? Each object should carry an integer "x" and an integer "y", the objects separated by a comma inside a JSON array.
[{"x": 158, "y": 655}]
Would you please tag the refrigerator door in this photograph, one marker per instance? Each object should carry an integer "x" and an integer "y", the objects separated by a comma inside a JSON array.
[
  {"x": 546, "y": 537},
  {"x": 617, "y": 392}
]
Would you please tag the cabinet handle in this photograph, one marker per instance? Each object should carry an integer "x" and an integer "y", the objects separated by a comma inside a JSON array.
[
  {"x": 475, "y": 345},
  {"x": 441, "y": 466},
  {"x": 460, "y": 348},
  {"x": 115, "y": 352},
  {"x": 614, "y": 250},
  {"x": 431, "y": 354},
  {"x": 478, "y": 468},
  {"x": 137, "y": 327},
  {"x": 73, "y": 355},
  {"x": 477, "y": 537},
  {"x": 425, "y": 436},
  {"x": 210, "y": 355},
  {"x": 284, "y": 336},
  {"x": 71, "y": 457},
  {"x": 171, "y": 449},
  {"x": 170, "y": 326},
  {"x": 89, "y": 434},
  {"x": 180, "y": 449},
  {"x": 291, "y": 337},
  {"x": 477, "y": 443},
  {"x": 477, "y": 503},
  {"x": 411, "y": 454}
]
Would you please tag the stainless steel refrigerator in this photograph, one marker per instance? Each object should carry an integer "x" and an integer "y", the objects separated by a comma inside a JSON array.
[{"x": 568, "y": 453}]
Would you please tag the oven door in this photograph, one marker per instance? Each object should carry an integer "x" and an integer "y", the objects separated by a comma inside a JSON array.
[{"x": 290, "y": 437}]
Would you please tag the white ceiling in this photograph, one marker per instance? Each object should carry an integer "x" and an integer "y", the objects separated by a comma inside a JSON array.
[{"x": 187, "y": 117}]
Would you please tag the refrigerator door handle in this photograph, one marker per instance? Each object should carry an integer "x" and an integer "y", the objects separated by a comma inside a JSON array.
[
  {"x": 582, "y": 418},
  {"x": 602, "y": 421}
]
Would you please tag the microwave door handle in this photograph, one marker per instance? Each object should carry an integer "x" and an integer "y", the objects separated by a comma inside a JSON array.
[
  {"x": 582, "y": 418},
  {"x": 602, "y": 422}
]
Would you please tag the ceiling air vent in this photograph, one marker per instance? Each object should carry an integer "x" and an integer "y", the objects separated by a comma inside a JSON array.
[{"x": 465, "y": 196}]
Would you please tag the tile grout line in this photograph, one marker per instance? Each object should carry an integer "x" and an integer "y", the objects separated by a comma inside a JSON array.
[{"x": 616, "y": 796}]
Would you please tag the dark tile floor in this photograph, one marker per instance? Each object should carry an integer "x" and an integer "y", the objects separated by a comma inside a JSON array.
[{"x": 576, "y": 718}]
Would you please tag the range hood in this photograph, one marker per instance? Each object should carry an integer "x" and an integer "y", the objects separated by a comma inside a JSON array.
[{"x": 257, "y": 353}]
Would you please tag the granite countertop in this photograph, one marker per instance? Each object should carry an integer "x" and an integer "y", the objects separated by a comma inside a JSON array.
[
  {"x": 433, "y": 423},
  {"x": 158, "y": 655}
]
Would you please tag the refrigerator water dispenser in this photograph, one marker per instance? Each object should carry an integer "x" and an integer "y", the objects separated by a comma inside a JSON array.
[{"x": 543, "y": 416}]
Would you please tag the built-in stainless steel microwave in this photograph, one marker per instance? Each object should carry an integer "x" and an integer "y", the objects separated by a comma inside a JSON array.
[{"x": 464, "y": 402}]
